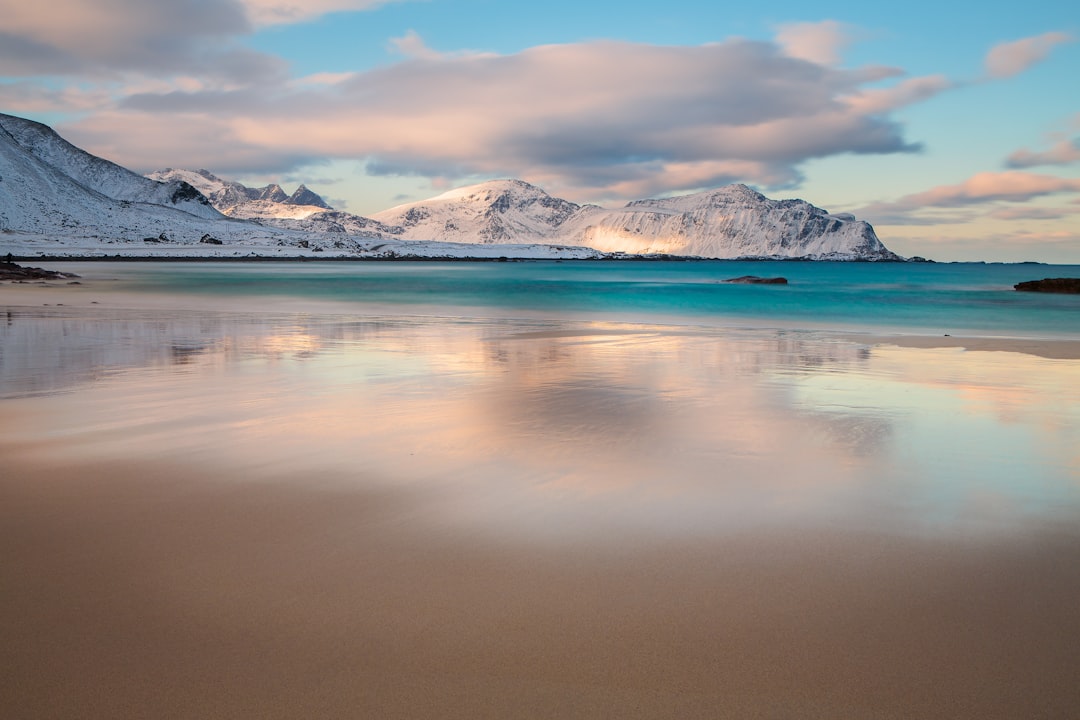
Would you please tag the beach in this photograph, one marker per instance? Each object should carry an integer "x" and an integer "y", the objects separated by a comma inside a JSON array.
[{"x": 254, "y": 507}]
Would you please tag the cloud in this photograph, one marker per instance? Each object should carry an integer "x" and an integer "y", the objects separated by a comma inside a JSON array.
[
  {"x": 117, "y": 40},
  {"x": 982, "y": 188},
  {"x": 582, "y": 118},
  {"x": 1034, "y": 213},
  {"x": 278, "y": 12},
  {"x": 820, "y": 42},
  {"x": 1054, "y": 246},
  {"x": 411, "y": 45},
  {"x": 105, "y": 38},
  {"x": 1064, "y": 152},
  {"x": 29, "y": 98},
  {"x": 147, "y": 142},
  {"x": 1012, "y": 58},
  {"x": 993, "y": 186},
  {"x": 908, "y": 92}
]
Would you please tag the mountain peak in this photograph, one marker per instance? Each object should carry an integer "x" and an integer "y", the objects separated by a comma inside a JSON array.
[
  {"x": 492, "y": 188},
  {"x": 304, "y": 196}
]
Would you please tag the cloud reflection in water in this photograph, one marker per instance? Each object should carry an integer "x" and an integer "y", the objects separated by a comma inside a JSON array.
[{"x": 551, "y": 428}]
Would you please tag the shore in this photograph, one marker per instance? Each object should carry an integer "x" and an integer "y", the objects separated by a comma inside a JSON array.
[
  {"x": 146, "y": 589},
  {"x": 75, "y": 293},
  {"x": 254, "y": 508}
]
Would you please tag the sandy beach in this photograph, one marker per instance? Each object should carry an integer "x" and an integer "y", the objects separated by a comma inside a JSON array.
[
  {"x": 139, "y": 591},
  {"x": 272, "y": 514}
]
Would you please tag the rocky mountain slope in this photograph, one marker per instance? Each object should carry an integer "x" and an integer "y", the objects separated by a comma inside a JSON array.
[{"x": 237, "y": 200}]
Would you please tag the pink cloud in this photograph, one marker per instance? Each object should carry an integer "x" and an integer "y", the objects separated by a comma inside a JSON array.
[
  {"x": 992, "y": 186},
  {"x": 1012, "y": 58},
  {"x": 982, "y": 188},
  {"x": 1064, "y": 152}
]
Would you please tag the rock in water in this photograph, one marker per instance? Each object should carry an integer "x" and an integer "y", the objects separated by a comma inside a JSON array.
[
  {"x": 1050, "y": 285},
  {"x": 755, "y": 280}
]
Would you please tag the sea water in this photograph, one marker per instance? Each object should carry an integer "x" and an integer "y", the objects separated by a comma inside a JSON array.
[
  {"x": 960, "y": 298},
  {"x": 536, "y": 490}
]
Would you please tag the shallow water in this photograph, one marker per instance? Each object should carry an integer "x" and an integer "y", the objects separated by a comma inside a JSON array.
[
  {"x": 269, "y": 514},
  {"x": 935, "y": 298},
  {"x": 666, "y": 429}
]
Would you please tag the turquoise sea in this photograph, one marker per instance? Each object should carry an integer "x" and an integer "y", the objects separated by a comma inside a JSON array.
[{"x": 919, "y": 297}]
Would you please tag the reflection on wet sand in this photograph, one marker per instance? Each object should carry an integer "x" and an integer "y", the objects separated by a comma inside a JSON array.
[{"x": 246, "y": 515}]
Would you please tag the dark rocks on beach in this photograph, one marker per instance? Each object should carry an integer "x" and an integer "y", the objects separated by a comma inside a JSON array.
[
  {"x": 209, "y": 239},
  {"x": 755, "y": 280},
  {"x": 1051, "y": 285},
  {"x": 11, "y": 271}
]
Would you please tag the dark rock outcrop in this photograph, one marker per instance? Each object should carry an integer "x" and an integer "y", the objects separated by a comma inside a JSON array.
[
  {"x": 11, "y": 271},
  {"x": 304, "y": 196},
  {"x": 755, "y": 280},
  {"x": 1050, "y": 285}
]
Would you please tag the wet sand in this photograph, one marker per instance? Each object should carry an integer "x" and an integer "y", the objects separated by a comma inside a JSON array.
[
  {"x": 145, "y": 590},
  {"x": 215, "y": 516}
]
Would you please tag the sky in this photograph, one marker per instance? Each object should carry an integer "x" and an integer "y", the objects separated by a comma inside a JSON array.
[{"x": 953, "y": 128}]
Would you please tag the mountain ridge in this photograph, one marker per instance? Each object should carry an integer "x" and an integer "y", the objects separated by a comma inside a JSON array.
[{"x": 55, "y": 195}]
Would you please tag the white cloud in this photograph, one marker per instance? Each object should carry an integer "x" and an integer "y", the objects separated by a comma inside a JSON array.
[
  {"x": 820, "y": 42},
  {"x": 1012, "y": 58}
]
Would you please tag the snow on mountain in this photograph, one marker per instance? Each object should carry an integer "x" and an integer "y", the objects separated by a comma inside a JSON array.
[
  {"x": 237, "y": 200},
  {"x": 491, "y": 212},
  {"x": 733, "y": 221},
  {"x": 100, "y": 175},
  {"x": 46, "y": 212},
  {"x": 730, "y": 222}
]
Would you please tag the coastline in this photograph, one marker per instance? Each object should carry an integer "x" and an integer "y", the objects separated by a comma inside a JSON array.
[{"x": 96, "y": 294}]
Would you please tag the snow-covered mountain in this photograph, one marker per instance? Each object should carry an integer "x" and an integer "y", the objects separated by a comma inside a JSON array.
[
  {"x": 237, "y": 200},
  {"x": 59, "y": 201},
  {"x": 61, "y": 193},
  {"x": 491, "y": 212},
  {"x": 94, "y": 173},
  {"x": 733, "y": 221}
]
